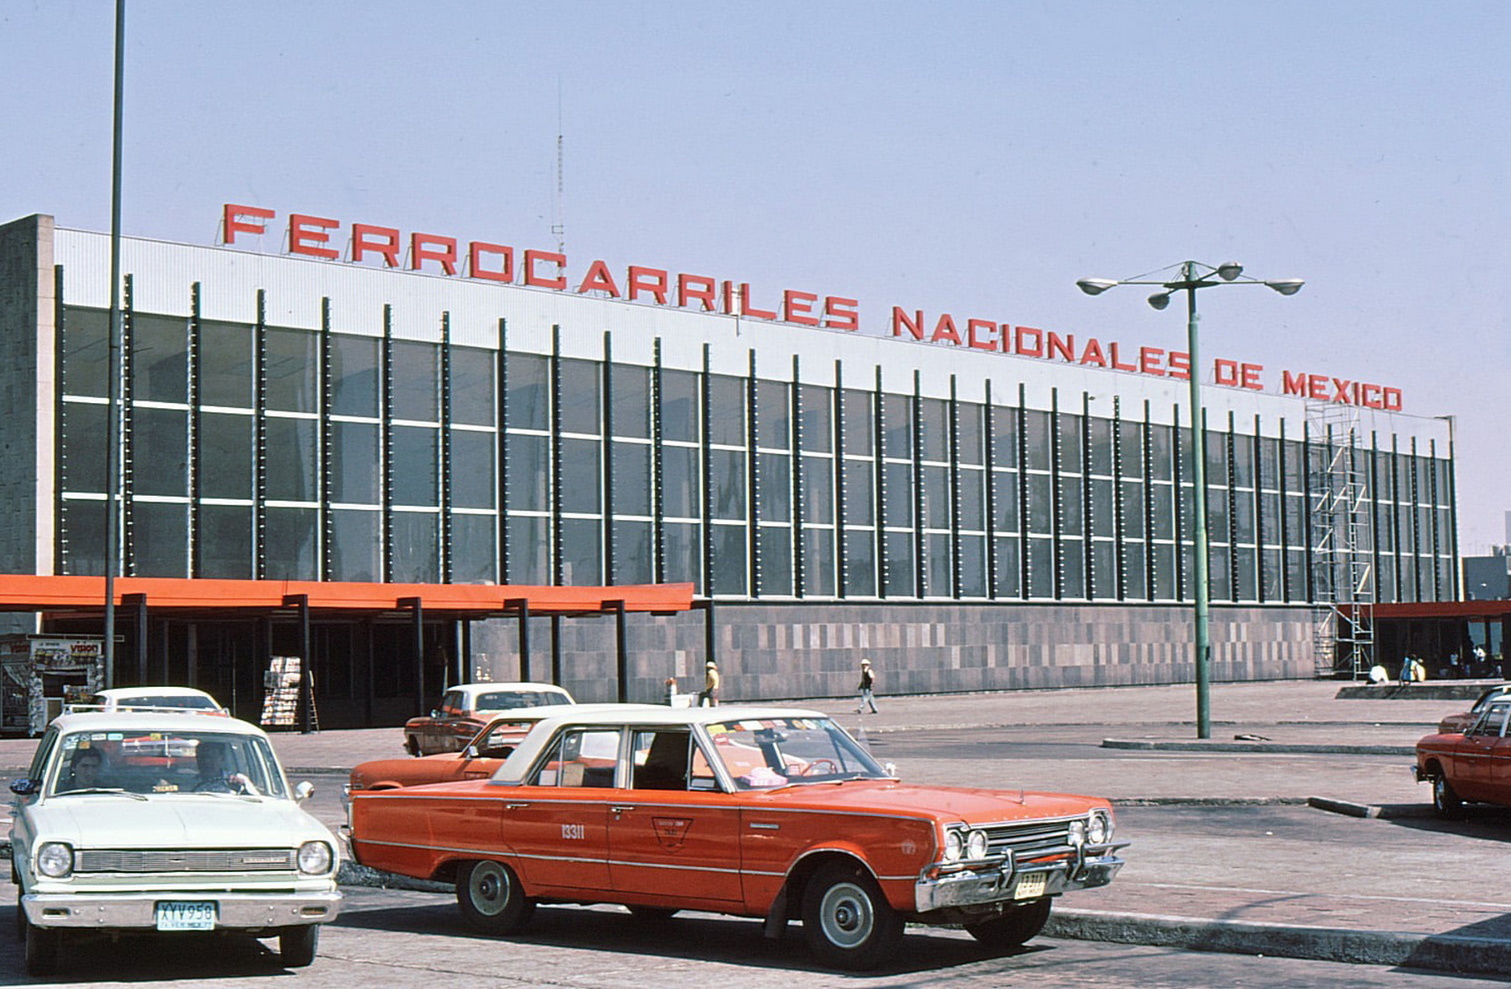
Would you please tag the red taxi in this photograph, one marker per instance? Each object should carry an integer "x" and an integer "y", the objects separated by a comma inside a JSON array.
[
  {"x": 465, "y": 708},
  {"x": 763, "y": 812},
  {"x": 1474, "y": 765}
]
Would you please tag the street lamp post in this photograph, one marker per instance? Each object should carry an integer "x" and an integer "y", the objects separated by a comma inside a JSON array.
[{"x": 1195, "y": 275}]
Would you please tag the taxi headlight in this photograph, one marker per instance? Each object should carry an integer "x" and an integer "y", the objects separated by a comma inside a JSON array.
[
  {"x": 55, "y": 860},
  {"x": 1077, "y": 833},
  {"x": 1099, "y": 827},
  {"x": 954, "y": 846},
  {"x": 976, "y": 845},
  {"x": 315, "y": 858}
]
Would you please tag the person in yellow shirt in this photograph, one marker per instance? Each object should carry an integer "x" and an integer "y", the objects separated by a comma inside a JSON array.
[{"x": 709, "y": 695}]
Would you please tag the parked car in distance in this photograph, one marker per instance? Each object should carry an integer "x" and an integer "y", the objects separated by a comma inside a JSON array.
[
  {"x": 149, "y": 699},
  {"x": 479, "y": 759},
  {"x": 147, "y": 822},
  {"x": 1459, "y": 722},
  {"x": 465, "y": 708},
  {"x": 752, "y": 811},
  {"x": 1474, "y": 765}
]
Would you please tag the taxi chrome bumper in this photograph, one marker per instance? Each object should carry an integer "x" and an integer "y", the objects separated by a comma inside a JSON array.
[
  {"x": 1006, "y": 881},
  {"x": 233, "y": 911}
]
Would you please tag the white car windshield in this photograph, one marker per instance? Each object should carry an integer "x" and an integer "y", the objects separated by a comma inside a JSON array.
[
  {"x": 504, "y": 700},
  {"x": 766, "y": 752},
  {"x": 165, "y": 762}
]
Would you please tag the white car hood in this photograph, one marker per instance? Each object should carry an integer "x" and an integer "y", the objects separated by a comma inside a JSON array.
[{"x": 174, "y": 821}]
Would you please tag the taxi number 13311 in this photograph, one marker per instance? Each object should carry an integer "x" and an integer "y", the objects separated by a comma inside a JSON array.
[{"x": 574, "y": 832}]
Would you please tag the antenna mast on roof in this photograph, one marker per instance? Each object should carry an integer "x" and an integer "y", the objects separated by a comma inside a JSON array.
[{"x": 558, "y": 203}]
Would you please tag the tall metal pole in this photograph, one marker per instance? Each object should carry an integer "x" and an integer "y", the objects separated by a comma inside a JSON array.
[
  {"x": 1199, "y": 506},
  {"x": 113, "y": 412}
]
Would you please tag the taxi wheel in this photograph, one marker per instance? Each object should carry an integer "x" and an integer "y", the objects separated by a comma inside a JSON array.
[
  {"x": 491, "y": 898},
  {"x": 847, "y": 922},
  {"x": 42, "y": 950},
  {"x": 412, "y": 744},
  {"x": 1446, "y": 800},
  {"x": 297, "y": 945},
  {"x": 1012, "y": 928}
]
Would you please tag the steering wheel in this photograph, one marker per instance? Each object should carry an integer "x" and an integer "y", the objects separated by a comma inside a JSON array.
[{"x": 833, "y": 769}]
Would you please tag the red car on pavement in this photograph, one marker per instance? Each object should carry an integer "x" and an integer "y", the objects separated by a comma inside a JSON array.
[
  {"x": 1471, "y": 766},
  {"x": 1459, "y": 722},
  {"x": 767, "y": 812},
  {"x": 465, "y": 708}
]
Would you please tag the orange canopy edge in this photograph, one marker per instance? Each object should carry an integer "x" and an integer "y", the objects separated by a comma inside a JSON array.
[{"x": 28, "y": 592}]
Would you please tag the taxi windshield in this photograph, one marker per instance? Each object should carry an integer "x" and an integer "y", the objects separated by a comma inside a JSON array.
[
  {"x": 165, "y": 762},
  {"x": 760, "y": 753}
]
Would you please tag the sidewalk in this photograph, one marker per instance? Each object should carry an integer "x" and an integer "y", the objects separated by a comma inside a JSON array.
[{"x": 1389, "y": 886}]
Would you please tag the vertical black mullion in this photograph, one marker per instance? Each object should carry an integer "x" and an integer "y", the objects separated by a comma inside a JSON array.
[
  {"x": 989, "y": 423},
  {"x": 62, "y": 562},
  {"x": 952, "y": 448},
  {"x": 1451, "y": 496},
  {"x": 1024, "y": 570},
  {"x": 1057, "y": 510},
  {"x": 1432, "y": 497},
  {"x": 557, "y": 567},
  {"x": 1088, "y": 516},
  {"x": 795, "y": 440},
  {"x": 606, "y": 424},
  {"x": 1231, "y": 442},
  {"x": 327, "y": 446},
  {"x": 705, "y": 469},
  {"x": 1119, "y": 551},
  {"x": 1374, "y": 509},
  {"x": 920, "y": 544},
  {"x": 501, "y": 439},
  {"x": 128, "y": 431},
  {"x": 1282, "y": 526},
  {"x": 1256, "y": 457},
  {"x": 841, "y": 494},
  {"x": 260, "y": 439},
  {"x": 1146, "y": 434},
  {"x": 752, "y": 414},
  {"x": 658, "y": 498},
  {"x": 196, "y": 435},
  {"x": 879, "y": 485},
  {"x": 446, "y": 534},
  {"x": 385, "y": 413},
  {"x": 1178, "y": 472}
]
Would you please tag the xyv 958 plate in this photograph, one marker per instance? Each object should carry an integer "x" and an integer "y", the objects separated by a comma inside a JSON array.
[{"x": 186, "y": 915}]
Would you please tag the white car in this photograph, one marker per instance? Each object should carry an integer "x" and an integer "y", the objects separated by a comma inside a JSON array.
[
  {"x": 166, "y": 822},
  {"x": 151, "y": 699},
  {"x": 467, "y": 707}
]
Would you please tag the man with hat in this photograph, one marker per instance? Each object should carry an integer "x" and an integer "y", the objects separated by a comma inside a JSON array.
[
  {"x": 709, "y": 695},
  {"x": 867, "y": 682}
]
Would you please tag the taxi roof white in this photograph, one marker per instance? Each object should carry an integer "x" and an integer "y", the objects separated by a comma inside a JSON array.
[
  {"x": 637, "y": 716},
  {"x": 472, "y": 690},
  {"x": 123, "y": 695},
  {"x": 152, "y": 721}
]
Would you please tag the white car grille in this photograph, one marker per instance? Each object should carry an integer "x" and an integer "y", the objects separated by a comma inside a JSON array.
[{"x": 166, "y": 860}]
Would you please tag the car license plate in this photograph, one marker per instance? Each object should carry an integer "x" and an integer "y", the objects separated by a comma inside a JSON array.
[
  {"x": 180, "y": 915},
  {"x": 1030, "y": 885}
]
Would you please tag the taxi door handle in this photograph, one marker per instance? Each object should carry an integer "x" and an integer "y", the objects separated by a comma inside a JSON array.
[
  {"x": 515, "y": 806},
  {"x": 621, "y": 809}
]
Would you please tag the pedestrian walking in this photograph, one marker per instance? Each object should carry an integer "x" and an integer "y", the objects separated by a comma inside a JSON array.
[
  {"x": 709, "y": 695},
  {"x": 867, "y": 684}
]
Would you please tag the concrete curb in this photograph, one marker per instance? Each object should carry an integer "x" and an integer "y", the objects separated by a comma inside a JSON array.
[
  {"x": 1437, "y": 952},
  {"x": 1211, "y": 745},
  {"x": 1386, "y": 811}
]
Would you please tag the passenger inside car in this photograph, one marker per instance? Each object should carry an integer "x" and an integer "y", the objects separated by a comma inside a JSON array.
[{"x": 85, "y": 771}]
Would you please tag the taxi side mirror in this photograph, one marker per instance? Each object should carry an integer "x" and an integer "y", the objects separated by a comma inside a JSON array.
[
  {"x": 304, "y": 791},
  {"x": 470, "y": 752},
  {"x": 25, "y": 788}
]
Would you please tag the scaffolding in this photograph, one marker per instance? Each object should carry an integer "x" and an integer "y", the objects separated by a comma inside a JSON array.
[{"x": 1342, "y": 542}]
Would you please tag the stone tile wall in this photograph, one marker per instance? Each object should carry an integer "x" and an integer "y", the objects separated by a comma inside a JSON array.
[{"x": 792, "y": 650}]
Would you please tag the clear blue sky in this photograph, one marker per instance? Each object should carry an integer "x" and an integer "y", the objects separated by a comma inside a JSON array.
[{"x": 969, "y": 157}]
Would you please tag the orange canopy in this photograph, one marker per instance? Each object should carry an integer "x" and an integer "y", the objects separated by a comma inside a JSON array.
[{"x": 26, "y": 592}]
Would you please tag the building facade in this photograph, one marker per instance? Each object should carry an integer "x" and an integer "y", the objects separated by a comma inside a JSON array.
[{"x": 970, "y": 520}]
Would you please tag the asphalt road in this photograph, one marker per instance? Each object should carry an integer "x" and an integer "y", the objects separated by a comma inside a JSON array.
[{"x": 399, "y": 939}]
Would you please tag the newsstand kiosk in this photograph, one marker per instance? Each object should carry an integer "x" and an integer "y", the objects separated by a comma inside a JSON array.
[{"x": 41, "y": 673}]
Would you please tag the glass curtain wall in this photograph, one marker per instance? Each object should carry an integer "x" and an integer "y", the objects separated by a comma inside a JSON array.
[{"x": 275, "y": 452}]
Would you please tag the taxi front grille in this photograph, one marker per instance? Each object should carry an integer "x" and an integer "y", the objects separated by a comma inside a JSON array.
[
  {"x": 1028, "y": 840},
  {"x": 205, "y": 860}
]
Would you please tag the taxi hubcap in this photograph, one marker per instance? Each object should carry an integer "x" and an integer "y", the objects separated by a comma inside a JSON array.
[{"x": 847, "y": 915}]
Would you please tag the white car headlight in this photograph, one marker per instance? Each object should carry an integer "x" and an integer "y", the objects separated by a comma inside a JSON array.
[
  {"x": 1099, "y": 827},
  {"x": 315, "y": 858},
  {"x": 954, "y": 846},
  {"x": 976, "y": 845},
  {"x": 55, "y": 860}
]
